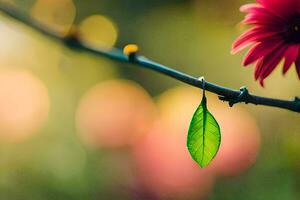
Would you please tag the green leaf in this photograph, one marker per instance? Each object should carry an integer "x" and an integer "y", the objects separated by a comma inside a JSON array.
[{"x": 204, "y": 136}]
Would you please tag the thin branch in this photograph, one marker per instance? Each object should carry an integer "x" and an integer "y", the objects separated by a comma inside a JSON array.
[{"x": 73, "y": 40}]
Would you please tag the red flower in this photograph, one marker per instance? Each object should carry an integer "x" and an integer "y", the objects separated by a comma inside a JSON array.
[{"x": 275, "y": 36}]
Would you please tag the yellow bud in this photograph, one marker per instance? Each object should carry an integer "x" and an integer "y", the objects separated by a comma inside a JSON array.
[{"x": 130, "y": 49}]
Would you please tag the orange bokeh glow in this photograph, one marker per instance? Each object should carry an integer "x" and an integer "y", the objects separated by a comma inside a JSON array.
[
  {"x": 24, "y": 104},
  {"x": 115, "y": 113}
]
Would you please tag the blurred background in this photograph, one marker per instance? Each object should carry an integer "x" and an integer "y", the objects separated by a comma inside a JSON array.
[{"x": 78, "y": 126}]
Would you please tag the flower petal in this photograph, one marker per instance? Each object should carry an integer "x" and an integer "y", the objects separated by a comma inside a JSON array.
[
  {"x": 255, "y": 20},
  {"x": 257, "y": 9},
  {"x": 263, "y": 17},
  {"x": 262, "y": 49},
  {"x": 290, "y": 55},
  {"x": 270, "y": 62},
  {"x": 298, "y": 67},
  {"x": 249, "y": 7},
  {"x": 281, "y": 7},
  {"x": 258, "y": 68},
  {"x": 250, "y": 36}
]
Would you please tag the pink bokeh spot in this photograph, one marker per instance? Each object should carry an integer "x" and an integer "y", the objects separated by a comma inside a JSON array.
[
  {"x": 166, "y": 169},
  {"x": 115, "y": 114}
]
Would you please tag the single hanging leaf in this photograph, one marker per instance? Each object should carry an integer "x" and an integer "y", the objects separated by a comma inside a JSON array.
[{"x": 204, "y": 136}]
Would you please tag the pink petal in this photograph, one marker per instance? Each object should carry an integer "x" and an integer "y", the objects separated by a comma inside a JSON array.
[
  {"x": 259, "y": 14},
  {"x": 250, "y": 36},
  {"x": 290, "y": 55},
  {"x": 298, "y": 67},
  {"x": 270, "y": 62},
  {"x": 258, "y": 68},
  {"x": 281, "y": 7},
  {"x": 253, "y": 19},
  {"x": 263, "y": 18},
  {"x": 247, "y": 8},
  {"x": 259, "y": 10},
  {"x": 262, "y": 49}
]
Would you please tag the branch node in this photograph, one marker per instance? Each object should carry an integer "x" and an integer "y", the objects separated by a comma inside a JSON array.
[
  {"x": 131, "y": 50},
  {"x": 243, "y": 96},
  {"x": 202, "y": 79},
  {"x": 297, "y": 102}
]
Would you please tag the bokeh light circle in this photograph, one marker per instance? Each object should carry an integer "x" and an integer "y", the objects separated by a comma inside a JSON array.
[
  {"x": 57, "y": 14},
  {"x": 165, "y": 169},
  {"x": 240, "y": 141},
  {"x": 115, "y": 113},
  {"x": 98, "y": 31},
  {"x": 24, "y": 104}
]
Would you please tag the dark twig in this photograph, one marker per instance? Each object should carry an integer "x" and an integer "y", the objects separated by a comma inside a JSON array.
[{"x": 73, "y": 40}]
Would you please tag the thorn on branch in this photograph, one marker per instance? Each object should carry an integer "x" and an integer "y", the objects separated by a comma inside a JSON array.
[
  {"x": 297, "y": 102},
  {"x": 243, "y": 96},
  {"x": 131, "y": 50}
]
